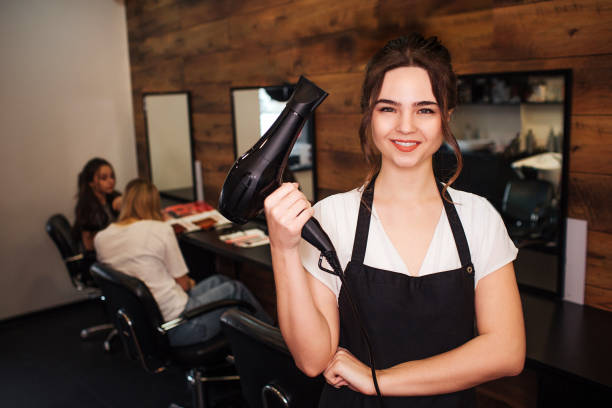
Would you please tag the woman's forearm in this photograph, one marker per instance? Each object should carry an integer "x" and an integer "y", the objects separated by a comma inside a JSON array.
[
  {"x": 305, "y": 328},
  {"x": 484, "y": 358}
]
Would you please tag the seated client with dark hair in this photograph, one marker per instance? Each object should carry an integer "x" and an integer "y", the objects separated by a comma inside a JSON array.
[
  {"x": 140, "y": 244},
  {"x": 98, "y": 202}
]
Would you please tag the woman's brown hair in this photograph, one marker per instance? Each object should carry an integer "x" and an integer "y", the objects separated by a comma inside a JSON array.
[
  {"x": 140, "y": 201},
  {"x": 409, "y": 51}
]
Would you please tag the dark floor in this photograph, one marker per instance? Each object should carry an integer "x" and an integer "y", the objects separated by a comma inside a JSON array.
[{"x": 44, "y": 363}]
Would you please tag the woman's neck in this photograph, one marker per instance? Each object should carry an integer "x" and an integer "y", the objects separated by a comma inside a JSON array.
[
  {"x": 127, "y": 221},
  {"x": 414, "y": 185}
]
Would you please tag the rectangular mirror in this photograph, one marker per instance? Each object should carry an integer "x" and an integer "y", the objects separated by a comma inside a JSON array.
[
  {"x": 513, "y": 132},
  {"x": 254, "y": 110},
  {"x": 168, "y": 131}
]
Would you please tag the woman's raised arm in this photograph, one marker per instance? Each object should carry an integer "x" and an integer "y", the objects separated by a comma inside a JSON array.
[{"x": 307, "y": 309}]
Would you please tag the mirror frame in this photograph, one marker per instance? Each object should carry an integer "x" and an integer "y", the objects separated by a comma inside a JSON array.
[
  {"x": 191, "y": 143},
  {"x": 315, "y": 184}
]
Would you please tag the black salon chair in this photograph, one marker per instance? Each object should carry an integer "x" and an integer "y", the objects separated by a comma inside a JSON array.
[
  {"x": 528, "y": 210},
  {"x": 144, "y": 333},
  {"x": 268, "y": 376},
  {"x": 77, "y": 263}
]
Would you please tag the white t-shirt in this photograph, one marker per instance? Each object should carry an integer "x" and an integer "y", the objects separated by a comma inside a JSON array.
[
  {"x": 149, "y": 251},
  {"x": 488, "y": 240}
]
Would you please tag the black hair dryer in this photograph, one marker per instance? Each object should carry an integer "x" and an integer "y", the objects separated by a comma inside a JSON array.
[{"x": 259, "y": 171}]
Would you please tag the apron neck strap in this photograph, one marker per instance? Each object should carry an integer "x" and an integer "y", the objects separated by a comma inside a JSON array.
[{"x": 365, "y": 213}]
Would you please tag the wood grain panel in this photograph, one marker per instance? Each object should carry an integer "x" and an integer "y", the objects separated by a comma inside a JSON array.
[
  {"x": 215, "y": 156},
  {"x": 590, "y": 196},
  {"x": 211, "y": 98},
  {"x": 344, "y": 92},
  {"x": 301, "y": 19},
  {"x": 344, "y": 52},
  {"x": 140, "y": 8},
  {"x": 201, "y": 39},
  {"x": 468, "y": 36},
  {"x": 591, "y": 144},
  {"x": 153, "y": 20},
  {"x": 163, "y": 76},
  {"x": 338, "y": 132},
  {"x": 599, "y": 260},
  {"x": 552, "y": 29},
  {"x": 598, "y": 297},
  {"x": 340, "y": 171},
  {"x": 194, "y": 13},
  {"x": 213, "y": 128}
]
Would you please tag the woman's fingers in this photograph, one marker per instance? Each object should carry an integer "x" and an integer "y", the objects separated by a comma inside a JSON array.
[
  {"x": 287, "y": 210},
  {"x": 279, "y": 194}
]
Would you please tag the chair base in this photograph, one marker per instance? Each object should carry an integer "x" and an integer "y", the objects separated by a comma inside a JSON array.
[
  {"x": 107, "y": 342},
  {"x": 86, "y": 333},
  {"x": 197, "y": 382}
]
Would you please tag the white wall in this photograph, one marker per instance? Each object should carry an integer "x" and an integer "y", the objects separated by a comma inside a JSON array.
[{"x": 65, "y": 97}]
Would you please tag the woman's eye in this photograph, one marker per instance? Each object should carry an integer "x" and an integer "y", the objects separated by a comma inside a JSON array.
[
  {"x": 387, "y": 109},
  {"x": 426, "y": 111}
]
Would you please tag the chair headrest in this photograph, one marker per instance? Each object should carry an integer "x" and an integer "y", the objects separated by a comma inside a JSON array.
[
  {"x": 59, "y": 230},
  {"x": 254, "y": 328}
]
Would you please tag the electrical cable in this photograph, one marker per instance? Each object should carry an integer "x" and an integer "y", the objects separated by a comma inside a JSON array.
[{"x": 332, "y": 260}]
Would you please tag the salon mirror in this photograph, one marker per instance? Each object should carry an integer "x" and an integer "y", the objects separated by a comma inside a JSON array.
[
  {"x": 254, "y": 110},
  {"x": 513, "y": 132},
  {"x": 168, "y": 132}
]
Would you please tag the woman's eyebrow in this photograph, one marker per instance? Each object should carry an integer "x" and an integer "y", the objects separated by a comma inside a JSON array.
[
  {"x": 387, "y": 101},
  {"x": 424, "y": 103},
  {"x": 394, "y": 103}
]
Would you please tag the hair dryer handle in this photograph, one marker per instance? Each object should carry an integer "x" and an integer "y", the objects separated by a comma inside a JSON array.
[{"x": 314, "y": 233}]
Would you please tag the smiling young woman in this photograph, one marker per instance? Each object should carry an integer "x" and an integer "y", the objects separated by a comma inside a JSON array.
[{"x": 423, "y": 261}]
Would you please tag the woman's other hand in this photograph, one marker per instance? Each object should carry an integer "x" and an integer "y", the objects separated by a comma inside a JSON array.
[
  {"x": 345, "y": 369},
  {"x": 287, "y": 209}
]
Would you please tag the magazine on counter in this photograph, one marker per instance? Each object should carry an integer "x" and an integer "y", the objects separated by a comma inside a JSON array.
[
  {"x": 246, "y": 238},
  {"x": 194, "y": 216}
]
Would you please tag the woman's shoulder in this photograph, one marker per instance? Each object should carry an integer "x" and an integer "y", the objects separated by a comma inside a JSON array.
[{"x": 471, "y": 206}]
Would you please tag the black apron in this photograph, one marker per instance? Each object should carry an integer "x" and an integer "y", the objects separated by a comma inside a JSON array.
[{"x": 406, "y": 318}]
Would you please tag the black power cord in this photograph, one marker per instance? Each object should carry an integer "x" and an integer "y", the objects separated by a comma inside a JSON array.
[{"x": 332, "y": 260}]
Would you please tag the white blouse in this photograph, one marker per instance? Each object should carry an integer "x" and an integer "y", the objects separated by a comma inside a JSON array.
[
  {"x": 149, "y": 251},
  {"x": 488, "y": 240}
]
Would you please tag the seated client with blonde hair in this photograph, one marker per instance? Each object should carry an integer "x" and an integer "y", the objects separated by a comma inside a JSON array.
[{"x": 142, "y": 245}]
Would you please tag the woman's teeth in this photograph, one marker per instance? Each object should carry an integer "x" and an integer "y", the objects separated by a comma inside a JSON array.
[{"x": 406, "y": 144}]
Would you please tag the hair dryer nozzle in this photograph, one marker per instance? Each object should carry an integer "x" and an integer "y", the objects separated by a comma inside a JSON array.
[{"x": 259, "y": 171}]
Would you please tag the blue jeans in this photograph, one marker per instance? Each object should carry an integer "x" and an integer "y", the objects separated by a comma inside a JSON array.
[{"x": 208, "y": 325}]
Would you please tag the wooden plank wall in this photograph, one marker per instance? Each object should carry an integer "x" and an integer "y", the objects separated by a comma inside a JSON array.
[{"x": 208, "y": 46}]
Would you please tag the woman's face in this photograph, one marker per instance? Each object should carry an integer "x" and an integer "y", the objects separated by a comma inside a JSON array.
[
  {"x": 103, "y": 181},
  {"x": 406, "y": 120}
]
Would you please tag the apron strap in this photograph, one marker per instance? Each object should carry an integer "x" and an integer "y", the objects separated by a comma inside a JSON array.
[
  {"x": 456, "y": 228},
  {"x": 363, "y": 223}
]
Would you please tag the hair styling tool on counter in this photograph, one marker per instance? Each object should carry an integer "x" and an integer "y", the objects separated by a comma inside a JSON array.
[{"x": 259, "y": 171}]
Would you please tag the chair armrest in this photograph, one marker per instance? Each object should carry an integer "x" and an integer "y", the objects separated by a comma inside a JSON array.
[{"x": 209, "y": 307}]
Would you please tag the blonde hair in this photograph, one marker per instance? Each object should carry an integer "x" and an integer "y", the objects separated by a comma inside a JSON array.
[{"x": 140, "y": 201}]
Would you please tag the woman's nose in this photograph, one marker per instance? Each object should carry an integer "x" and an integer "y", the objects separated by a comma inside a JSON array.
[{"x": 406, "y": 123}]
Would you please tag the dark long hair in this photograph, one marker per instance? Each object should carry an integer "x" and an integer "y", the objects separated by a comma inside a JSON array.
[
  {"x": 89, "y": 212},
  {"x": 409, "y": 51}
]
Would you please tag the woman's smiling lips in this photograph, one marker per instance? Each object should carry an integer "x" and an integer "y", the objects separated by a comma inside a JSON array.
[{"x": 405, "y": 145}]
